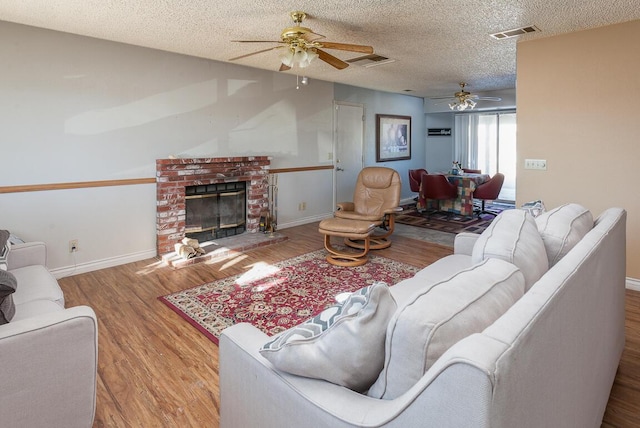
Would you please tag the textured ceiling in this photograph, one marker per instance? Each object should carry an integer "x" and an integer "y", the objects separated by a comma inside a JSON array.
[{"x": 435, "y": 43}]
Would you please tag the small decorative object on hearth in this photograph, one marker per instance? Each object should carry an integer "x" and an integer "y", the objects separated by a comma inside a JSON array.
[
  {"x": 193, "y": 243},
  {"x": 266, "y": 223},
  {"x": 189, "y": 248},
  {"x": 185, "y": 251}
]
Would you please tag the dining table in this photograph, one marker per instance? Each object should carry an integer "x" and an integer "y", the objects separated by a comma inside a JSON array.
[{"x": 463, "y": 204}]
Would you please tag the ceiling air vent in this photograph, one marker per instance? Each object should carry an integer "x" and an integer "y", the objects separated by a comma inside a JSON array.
[
  {"x": 515, "y": 32},
  {"x": 372, "y": 60}
]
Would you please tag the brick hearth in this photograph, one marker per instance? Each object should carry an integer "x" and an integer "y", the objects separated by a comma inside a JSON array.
[{"x": 173, "y": 175}]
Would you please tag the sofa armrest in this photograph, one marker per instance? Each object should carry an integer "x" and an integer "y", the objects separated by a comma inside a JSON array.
[
  {"x": 440, "y": 399},
  {"x": 245, "y": 375},
  {"x": 463, "y": 243},
  {"x": 27, "y": 254},
  {"x": 49, "y": 369}
]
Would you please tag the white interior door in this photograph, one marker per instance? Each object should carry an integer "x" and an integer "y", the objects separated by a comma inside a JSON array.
[{"x": 349, "y": 146}]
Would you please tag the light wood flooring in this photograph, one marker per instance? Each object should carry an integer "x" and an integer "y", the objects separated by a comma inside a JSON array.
[{"x": 156, "y": 370}]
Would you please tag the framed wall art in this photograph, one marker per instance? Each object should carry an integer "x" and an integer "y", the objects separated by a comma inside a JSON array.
[{"x": 393, "y": 137}]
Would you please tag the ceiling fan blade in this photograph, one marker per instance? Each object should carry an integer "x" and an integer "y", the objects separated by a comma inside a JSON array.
[
  {"x": 347, "y": 47},
  {"x": 312, "y": 37},
  {"x": 284, "y": 67},
  {"x": 488, "y": 98},
  {"x": 442, "y": 98},
  {"x": 253, "y": 53},
  {"x": 331, "y": 60}
]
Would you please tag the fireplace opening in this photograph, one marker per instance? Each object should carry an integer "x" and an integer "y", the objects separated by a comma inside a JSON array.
[{"x": 215, "y": 211}]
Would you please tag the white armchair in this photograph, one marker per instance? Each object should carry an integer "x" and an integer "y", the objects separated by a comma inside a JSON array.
[{"x": 48, "y": 354}]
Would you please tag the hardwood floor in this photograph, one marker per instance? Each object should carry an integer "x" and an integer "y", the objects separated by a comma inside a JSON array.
[
  {"x": 624, "y": 402},
  {"x": 156, "y": 370}
]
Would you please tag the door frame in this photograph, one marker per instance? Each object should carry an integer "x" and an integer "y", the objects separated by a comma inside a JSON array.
[{"x": 336, "y": 105}]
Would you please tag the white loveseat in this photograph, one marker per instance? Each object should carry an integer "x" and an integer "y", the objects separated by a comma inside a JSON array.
[
  {"x": 48, "y": 354},
  {"x": 548, "y": 360}
]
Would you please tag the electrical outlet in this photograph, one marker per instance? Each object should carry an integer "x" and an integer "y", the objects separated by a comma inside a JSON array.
[
  {"x": 302, "y": 206},
  {"x": 73, "y": 245},
  {"x": 535, "y": 164}
]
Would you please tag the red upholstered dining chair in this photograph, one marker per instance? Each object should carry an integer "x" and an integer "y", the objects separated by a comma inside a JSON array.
[
  {"x": 415, "y": 179},
  {"x": 488, "y": 191},
  {"x": 437, "y": 187},
  {"x": 471, "y": 171}
]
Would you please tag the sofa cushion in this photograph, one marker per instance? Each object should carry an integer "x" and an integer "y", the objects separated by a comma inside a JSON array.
[
  {"x": 344, "y": 344},
  {"x": 35, "y": 308},
  {"x": 8, "y": 286},
  {"x": 562, "y": 228},
  {"x": 437, "y": 271},
  {"x": 513, "y": 236},
  {"x": 444, "y": 313},
  {"x": 36, "y": 282}
]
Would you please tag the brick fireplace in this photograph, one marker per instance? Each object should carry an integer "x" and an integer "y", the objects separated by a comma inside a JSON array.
[{"x": 173, "y": 176}]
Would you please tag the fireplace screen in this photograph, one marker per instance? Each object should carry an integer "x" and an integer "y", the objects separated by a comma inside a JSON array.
[{"x": 215, "y": 210}]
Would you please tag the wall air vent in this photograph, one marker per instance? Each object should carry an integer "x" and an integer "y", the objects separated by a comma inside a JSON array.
[
  {"x": 515, "y": 32},
  {"x": 372, "y": 60}
]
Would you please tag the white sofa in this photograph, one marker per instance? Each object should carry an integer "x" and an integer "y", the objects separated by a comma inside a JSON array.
[
  {"x": 48, "y": 354},
  {"x": 549, "y": 360}
]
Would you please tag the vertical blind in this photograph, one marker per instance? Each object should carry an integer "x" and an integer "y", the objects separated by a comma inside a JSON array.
[{"x": 487, "y": 141}]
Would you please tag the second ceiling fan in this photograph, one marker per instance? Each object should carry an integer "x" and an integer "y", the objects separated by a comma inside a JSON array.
[
  {"x": 463, "y": 100},
  {"x": 300, "y": 45}
]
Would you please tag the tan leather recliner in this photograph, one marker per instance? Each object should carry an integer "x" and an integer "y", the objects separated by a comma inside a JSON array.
[{"x": 376, "y": 198}]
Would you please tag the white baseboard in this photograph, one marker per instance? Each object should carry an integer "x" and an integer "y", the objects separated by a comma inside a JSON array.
[
  {"x": 306, "y": 220},
  {"x": 633, "y": 284},
  {"x": 91, "y": 266},
  {"x": 102, "y": 264}
]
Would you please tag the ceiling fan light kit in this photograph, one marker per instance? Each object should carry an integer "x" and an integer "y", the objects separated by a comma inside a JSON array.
[
  {"x": 462, "y": 105},
  {"x": 463, "y": 100},
  {"x": 298, "y": 56}
]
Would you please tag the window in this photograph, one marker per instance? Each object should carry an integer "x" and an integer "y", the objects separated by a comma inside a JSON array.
[{"x": 487, "y": 141}]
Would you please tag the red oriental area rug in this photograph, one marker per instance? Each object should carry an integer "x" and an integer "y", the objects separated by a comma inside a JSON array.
[{"x": 275, "y": 297}]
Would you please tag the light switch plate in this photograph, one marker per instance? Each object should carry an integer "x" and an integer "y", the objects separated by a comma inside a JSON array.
[{"x": 535, "y": 164}]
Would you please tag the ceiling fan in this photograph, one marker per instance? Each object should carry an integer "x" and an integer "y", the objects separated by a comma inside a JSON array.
[
  {"x": 463, "y": 100},
  {"x": 300, "y": 45}
]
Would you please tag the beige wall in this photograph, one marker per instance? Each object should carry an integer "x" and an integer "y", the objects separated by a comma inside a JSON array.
[{"x": 578, "y": 100}]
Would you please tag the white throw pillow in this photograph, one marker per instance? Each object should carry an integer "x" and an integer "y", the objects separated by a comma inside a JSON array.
[
  {"x": 562, "y": 228},
  {"x": 435, "y": 318},
  {"x": 344, "y": 344},
  {"x": 513, "y": 237}
]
